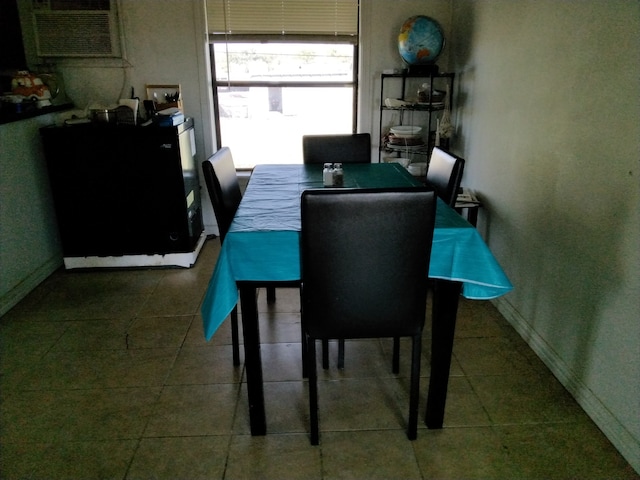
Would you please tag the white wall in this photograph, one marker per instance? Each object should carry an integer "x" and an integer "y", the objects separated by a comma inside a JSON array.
[
  {"x": 549, "y": 122},
  {"x": 380, "y": 25},
  {"x": 29, "y": 245}
]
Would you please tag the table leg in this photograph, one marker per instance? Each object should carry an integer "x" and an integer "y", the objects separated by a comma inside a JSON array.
[
  {"x": 252, "y": 358},
  {"x": 445, "y": 308},
  {"x": 472, "y": 215},
  {"x": 271, "y": 295}
]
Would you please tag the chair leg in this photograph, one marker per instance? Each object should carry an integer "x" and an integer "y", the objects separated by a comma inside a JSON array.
[
  {"x": 235, "y": 337},
  {"x": 305, "y": 356},
  {"x": 313, "y": 391},
  {"x": 325, "y": 354},
  {"x": 414, "y": 395},
  {"x": 395, "y": 363},
  {"x": 271, "y": 295}
]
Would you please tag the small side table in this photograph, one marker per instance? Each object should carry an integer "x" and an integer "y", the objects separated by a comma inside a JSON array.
[{"x": 470, "y": 203}]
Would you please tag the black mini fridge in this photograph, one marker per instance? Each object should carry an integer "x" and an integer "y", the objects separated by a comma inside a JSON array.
[{"x": 124, "y": 191}]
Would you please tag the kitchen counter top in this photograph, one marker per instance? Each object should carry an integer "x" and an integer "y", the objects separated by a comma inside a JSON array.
[{"x": 7, "y": 116}]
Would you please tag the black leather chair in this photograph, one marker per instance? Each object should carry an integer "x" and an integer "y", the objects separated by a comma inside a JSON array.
[
  {"x": 350, "y": 148},
  {"x": 445, "y": 174},
  {"x": 364, "y": 262},
  {"x": 223, "y": 187},
  {"x": 222, "y": 184},
  {"x": 341, "y": 148}
]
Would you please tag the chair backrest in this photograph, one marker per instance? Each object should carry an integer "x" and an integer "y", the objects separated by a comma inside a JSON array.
[
  {"x": 222, "y": 184},
  {"x": 364, "y": 261},
  {"x": 354, "y": 148},
  {"x": 445, "y": 174}
]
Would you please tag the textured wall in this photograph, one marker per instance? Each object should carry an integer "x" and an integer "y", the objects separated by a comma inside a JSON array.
[{"x": 549, "y": 120}]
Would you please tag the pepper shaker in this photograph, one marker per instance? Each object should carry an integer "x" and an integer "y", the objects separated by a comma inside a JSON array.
[{"x": 338, "y": 175}]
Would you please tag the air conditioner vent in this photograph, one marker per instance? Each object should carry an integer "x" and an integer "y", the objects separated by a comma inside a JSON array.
[
  {"x": 76, "y": 33},
  {"x": 77, "y": 4}
]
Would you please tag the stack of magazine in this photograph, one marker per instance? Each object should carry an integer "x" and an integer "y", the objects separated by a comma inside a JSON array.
[
  {"x": 169, "y": 117},
  {"x": 467, "y": 198}
]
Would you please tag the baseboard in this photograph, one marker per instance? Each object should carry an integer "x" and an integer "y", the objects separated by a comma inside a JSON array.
[
  {"x": 35, "y": 278},
  {"x": 184, "y": 259},
  {"x": 618, "y": 435}
]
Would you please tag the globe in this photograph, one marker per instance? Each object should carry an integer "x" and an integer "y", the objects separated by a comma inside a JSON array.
[{"x": 420, "y": 41}]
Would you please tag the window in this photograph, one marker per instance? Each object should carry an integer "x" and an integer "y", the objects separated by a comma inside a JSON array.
[{"x": 276, "y": 79}]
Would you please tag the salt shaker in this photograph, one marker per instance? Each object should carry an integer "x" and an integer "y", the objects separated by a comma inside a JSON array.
[{"x": 327, "y": 175}]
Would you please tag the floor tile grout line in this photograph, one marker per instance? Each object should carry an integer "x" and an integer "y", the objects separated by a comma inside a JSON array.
[
  {"x": 232, "y": 434},
  {"x": 557, "y": 422}
]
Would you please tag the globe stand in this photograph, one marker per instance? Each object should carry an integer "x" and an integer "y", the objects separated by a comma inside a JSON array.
[{"x": 431, "y": 69}]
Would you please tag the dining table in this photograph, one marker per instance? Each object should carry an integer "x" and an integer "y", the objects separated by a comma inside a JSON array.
[{"x": 262, "y": 249}]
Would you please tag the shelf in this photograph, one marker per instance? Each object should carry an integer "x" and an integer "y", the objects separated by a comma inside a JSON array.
[
  {"x": 418, "y": 75},
  {"x": 421, "y": 150},
  {"x": 412, "y": 148},
  {"x": 434, "y": 107},
  {"x": 429, "y": 113},
  {"x": 7, "y": 116}
]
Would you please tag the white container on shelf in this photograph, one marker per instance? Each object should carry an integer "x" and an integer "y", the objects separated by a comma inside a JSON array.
[
  {"x": 406, "y": 131},
  {"x": 401, "y": 160},
  {"x": 418, "y": 169}
]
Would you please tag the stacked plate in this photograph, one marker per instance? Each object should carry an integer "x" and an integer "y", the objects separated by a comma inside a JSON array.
[{"x": 405, "y": 135}]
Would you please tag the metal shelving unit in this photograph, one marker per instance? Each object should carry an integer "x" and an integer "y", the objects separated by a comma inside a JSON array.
[{"x": 424, "y": 114}]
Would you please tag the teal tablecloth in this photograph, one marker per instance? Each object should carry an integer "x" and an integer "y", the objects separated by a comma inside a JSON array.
[{"x": 263, "y": 242}]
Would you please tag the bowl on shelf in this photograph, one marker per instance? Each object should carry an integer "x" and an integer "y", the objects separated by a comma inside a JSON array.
[
  {"x": 405, "y": 141},
  {"x": 437, "y": 96},
  {"x": 406, "y": 131}
]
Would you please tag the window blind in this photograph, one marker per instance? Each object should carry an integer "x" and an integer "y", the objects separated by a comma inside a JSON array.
[{"x": 282, "y": 17}]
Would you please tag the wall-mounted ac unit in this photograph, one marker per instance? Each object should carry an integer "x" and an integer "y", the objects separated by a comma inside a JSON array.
[{"x": 76, "y": 28}]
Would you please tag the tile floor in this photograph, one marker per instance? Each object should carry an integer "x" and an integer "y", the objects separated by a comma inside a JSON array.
[{"x": 107, "y": 375}]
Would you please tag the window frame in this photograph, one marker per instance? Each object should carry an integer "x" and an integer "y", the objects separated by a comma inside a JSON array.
[{"x": 352, "y": 40}]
